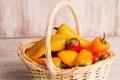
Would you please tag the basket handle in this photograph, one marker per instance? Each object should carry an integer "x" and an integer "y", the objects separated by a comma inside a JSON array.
[{"x": 48, "y": 56}]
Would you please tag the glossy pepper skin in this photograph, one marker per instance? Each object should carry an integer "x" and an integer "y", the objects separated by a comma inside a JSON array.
[
  {"x": 74, "y": 44},
  {"x": 66, "y": 30},
  {"x": 40, "y": 61},
  {"x": 57, "y": 62},
  {"x": 67, "y": 57},
  {"x": 84, "y": 58},
  {"x": 58, "y": 42},
  {"x": 99, "y": 45},
  {"x": 100, "y": 56}
]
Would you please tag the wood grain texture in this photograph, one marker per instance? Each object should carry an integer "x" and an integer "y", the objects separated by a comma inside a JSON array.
[{"x": 28, "y": 18}]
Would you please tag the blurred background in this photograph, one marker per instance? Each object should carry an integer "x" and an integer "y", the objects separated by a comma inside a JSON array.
[{"x": 28, "y": 18}]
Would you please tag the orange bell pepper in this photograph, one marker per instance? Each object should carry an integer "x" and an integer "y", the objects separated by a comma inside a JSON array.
[
  {"x": 57, "y": 62},
  {"x": 40, "y": 61},
  {"x": 99, "y": 45}
]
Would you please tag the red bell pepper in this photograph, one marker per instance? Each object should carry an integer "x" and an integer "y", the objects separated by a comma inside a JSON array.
[
  {"x": 100, "y": 56},
  {"x": 74, "y": 44}
]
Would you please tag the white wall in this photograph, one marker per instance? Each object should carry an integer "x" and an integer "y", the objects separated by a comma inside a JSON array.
[{"x": 28, "y": 18}]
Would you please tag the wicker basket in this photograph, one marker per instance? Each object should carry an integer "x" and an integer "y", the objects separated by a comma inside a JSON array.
[{"x": 97, "y": 71}]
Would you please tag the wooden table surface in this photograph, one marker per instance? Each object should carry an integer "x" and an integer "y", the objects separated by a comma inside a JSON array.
[{"x": 11, "y": 67}]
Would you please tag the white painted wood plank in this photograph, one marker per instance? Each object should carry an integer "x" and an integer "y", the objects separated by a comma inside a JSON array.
[
  {"x": 118, "y": 18},
  {"x": 108, "y": 17},
  {"x": 10, "y": 20},
  {"x": 28, "y": 18}
]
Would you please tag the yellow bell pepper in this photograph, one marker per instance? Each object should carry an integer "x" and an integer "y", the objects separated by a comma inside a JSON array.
[
  {"x": 66, "y": 30},
  {"x": 84, "y": 58},
  {"x": 57, "y": 43},
  {"x": 67, "y": 57}
]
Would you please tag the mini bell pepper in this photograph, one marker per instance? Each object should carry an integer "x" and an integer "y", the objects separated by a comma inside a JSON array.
[
  {"x": 66, "y": 30},
  {"x": 57, "y": 62},
  {"x": 100, "y": 56},
  {"x": 57, "y": 43},
  {"x": 67, "y": 57},
  {"x": 84, "y": 58},
  {"x": 40, "y": 61},
  {"x": 74, "y": 44},
  {"x": 99, "y": 45}
]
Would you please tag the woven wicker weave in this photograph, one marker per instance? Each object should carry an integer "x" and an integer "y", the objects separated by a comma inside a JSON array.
[{"x": 97, "y": 71}]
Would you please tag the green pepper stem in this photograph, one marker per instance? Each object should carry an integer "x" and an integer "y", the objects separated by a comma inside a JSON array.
[
  {"x": 62, "y": 65},
  {"x": 103, "y": 39},
  {"x": 100, "y": 58},
  {"x": 56, "y": 28},
  {"x": 72, "y": 42},
  {"x": 103, "y": 36}
]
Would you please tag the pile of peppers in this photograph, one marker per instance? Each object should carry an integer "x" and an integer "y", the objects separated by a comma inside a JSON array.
[{"x": 69, "y": 49}]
